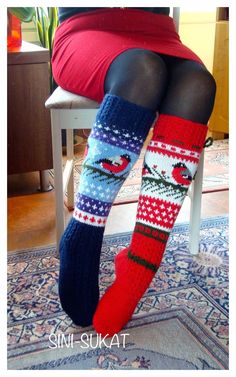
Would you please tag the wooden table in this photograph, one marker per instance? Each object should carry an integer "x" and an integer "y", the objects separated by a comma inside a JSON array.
[{"x": 29, "y": 130}]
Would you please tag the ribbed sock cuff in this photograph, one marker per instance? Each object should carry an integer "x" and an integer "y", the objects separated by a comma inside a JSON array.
[
  {"x": 117, "y": 111},
  {"x": 180, "y": 132}
]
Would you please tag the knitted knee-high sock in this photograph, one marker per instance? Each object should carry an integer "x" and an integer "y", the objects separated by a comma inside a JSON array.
[
  {"x": 114, "y": 145},
  {"x": 170, "y": 162}
]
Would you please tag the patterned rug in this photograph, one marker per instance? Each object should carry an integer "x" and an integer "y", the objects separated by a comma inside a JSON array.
[
  {"x": 215, "y": 172},
  {"x": 180, "y": 323}
]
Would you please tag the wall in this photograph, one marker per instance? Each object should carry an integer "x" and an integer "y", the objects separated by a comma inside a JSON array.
[
  {"x": 29, "y": 33},
  {"x": 197, "y": 31}
]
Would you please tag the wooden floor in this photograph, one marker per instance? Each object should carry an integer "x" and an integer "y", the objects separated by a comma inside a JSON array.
[{"x": 31, "y": 214}]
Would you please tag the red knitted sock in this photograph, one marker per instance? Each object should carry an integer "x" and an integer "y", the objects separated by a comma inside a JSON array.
[{"x": 170, "y": 163}]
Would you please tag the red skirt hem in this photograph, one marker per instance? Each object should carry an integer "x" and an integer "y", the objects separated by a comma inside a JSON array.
[{"x": 86, "y": 44}]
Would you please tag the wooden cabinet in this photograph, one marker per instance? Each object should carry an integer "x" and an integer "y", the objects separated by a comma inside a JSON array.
[
  {"x": 29, "y": 131},
  {"x": 219, "y": 121}
]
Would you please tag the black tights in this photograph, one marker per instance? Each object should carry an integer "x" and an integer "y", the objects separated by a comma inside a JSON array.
[{"x": 162, "y": 83}]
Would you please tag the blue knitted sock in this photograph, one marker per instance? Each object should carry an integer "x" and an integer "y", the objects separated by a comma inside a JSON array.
[{"x": 113, "y": 147}]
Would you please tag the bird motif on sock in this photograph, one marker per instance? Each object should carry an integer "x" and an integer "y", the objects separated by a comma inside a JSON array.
[
  {"x": 115, "y": 164},
  {"x": 181, "y": 174}
]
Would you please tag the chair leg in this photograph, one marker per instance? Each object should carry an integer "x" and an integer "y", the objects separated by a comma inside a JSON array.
[
  {"x": 58, "y": 175},
  {"x": 70, "y": 156},
  {"x": 195, "y": 209},
  {"x": 45, "y": 185}
]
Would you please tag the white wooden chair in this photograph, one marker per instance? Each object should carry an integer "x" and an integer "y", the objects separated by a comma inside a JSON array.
[{"x": 70, "y": 112}]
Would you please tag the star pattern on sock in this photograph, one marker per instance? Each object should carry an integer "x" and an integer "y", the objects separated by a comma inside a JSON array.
[
  {"x": 170, "y": 162},
  {"x": 155, "y": 211}
]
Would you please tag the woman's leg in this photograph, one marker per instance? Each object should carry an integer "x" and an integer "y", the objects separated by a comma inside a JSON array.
[
  {"x": 139, "y": 76},
  {"x": 121, "y": 126},
  {"x": 191, "y": 91},
  {"x": 170, "y": 163}
]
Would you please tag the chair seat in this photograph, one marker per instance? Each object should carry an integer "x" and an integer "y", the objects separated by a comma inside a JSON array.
[{"x": 62, "y": 99}]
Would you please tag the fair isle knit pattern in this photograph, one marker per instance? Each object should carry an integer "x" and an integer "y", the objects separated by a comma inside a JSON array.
[
  {"x": 167, "y": 174},
  {"x": 111, "y": 154},
  {"x": 170, "y": 164},
  {"x": 113, "y": 147}
]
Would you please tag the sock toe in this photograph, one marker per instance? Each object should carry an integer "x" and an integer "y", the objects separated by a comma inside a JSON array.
[{"x": 79, "y": 269}]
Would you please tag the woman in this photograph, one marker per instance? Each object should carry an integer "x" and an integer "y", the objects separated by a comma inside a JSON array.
[{"x": 130, "y": 60}]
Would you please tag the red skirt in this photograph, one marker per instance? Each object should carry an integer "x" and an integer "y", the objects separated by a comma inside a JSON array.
[{"x": 86, "y": 44}]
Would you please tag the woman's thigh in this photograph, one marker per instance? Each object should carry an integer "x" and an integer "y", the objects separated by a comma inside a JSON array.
[
  {"x": 139, "y": 76},
  {"x": 190, "y": 92}
]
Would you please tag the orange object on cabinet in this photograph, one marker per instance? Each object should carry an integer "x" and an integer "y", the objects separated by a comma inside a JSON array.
[{"x": 14, "y": 36}]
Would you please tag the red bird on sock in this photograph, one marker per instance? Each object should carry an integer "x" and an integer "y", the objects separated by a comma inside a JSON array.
[
  {"x": 115, "y": 164},
  {"x": 181, "y": 174}
]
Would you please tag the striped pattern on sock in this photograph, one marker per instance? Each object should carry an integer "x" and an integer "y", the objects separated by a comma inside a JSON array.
[
  {"x": 170, "y": 164},
  {"x": 113, "y": 147}
]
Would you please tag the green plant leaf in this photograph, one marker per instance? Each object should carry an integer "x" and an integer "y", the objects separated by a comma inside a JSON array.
[
  {"x": 40, "y": 32},
  {"x": 46, "y": 21},
  {"x": 53, "y": 23}
]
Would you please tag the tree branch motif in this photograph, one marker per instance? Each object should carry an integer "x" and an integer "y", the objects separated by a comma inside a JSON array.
[{"x": 102, "y": 176}]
